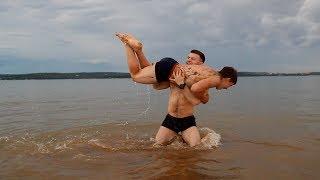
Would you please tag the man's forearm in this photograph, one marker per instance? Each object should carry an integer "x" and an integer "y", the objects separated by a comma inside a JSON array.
[
  {"x": 202, "y": 96},
  {"x": 190, "y": 97}
]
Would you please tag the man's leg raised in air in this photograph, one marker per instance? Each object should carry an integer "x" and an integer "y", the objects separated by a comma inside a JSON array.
[
  {"x": 137, "y": 46},
  {"x": 144, "y": 63},
  {"x": 142, "y": 59},
  {"x": 145, "y": 75}
]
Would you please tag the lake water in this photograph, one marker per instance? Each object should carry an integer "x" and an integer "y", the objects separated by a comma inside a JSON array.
[{"x": 104, "y": 129}]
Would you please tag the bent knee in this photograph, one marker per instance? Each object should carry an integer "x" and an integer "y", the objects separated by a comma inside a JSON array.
[
  {"x": 163, "y": 141},
  {"x": 134, "y": 77},
  {"x": 194, "y": 143},
  {"x": 139, "y": 79}
]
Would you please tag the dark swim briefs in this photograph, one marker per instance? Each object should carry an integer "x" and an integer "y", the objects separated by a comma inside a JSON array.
[
  {"x": 178, "y": 124},
  {"x": 164, "y": 68}
]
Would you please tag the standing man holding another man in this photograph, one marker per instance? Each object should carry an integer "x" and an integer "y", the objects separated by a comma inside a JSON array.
[{"x": 182, "y": 99}]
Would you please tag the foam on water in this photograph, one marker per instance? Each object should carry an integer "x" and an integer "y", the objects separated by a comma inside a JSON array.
[
  {"x": 73, "y": 141},
  {"x": 209, "y": 138}
]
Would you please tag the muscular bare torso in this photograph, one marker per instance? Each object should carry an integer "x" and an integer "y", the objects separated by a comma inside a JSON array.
[
  {"x": 195, "y": 73},
  {"x": 179, "y": 106}
]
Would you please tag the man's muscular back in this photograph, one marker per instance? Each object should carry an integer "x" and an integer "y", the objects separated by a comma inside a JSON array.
[{"x": 195, "y": 73}]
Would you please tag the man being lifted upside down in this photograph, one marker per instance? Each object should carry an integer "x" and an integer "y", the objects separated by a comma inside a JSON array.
[{"x": 189, "y": 84}]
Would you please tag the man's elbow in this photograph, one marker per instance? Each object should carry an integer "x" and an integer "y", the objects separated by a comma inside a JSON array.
[
  {"x": 196, "y": 102},
  {"x": 204, "y": 101},
  {"x": 160, "y": 86},
  {"x": 157, "y": 87},
  {"x": 194, "y": 89},
  {"x": 205, "y": 98}
]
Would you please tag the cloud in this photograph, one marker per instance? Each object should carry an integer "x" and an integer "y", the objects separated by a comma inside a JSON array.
[
  {"x": 11, "y": 65},
  {"x": 228, "y": 31},
  {"x": 301, "y": 29}
]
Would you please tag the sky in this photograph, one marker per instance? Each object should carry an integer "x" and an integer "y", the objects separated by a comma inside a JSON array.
[{"x": 78, "y": 36}]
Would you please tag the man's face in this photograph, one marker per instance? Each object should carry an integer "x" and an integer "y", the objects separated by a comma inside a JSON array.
[
  {"x": 225, "y": 84},
  {"x": 194, "y": 59}
]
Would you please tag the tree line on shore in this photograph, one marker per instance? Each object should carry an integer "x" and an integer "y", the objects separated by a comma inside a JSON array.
[{"x": 108, "y": 75}]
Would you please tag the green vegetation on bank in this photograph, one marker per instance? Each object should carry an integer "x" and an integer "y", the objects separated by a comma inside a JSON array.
[
  {"x": 82, "y": 75},
  {"x": 276, "y": 74},
  {"x": 108, "y": 75}
]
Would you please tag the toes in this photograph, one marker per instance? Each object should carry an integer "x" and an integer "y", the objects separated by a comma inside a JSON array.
[
  {"x": 122, "y": 37},
  {"x": 119, "y": 35},
  {"x": 130, "y": 40}
]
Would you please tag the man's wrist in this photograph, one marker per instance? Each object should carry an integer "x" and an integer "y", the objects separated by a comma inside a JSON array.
[
  {"x": 180, "y": 81},
  {"x": 181, "y": 86}
]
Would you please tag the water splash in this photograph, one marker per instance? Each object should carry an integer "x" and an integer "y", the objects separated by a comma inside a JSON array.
[
  {"x": 147, "y": 103},
  {"x": 111, "y": 138},
  {"x": 209, "y": 138},
  {"x": 4, "y": 138}
]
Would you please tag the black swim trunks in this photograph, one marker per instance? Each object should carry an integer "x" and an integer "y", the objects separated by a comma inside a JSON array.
[
  {"x": 178, "y": 124},
  {"x": 163, "y": 69}
]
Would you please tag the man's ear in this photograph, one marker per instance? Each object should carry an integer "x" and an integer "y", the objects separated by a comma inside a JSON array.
[
  {"x": 200, "y": 62},
  {"x": 226, "y": 79}
]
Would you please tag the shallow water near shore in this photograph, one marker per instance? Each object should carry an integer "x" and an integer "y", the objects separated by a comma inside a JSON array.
[{"x": 104, "y": 129}]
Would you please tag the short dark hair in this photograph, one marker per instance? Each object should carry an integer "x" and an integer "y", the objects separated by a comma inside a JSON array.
[
  {"x": 199, "y": 53},
  {"x": 229, "y": 72}
]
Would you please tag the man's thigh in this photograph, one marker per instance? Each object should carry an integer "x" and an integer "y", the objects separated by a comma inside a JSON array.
[
  {"x": 191, "y": 136},
  {"x": 165, "y": 135}
]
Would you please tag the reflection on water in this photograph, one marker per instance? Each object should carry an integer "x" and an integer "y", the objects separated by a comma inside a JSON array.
[{"x": 103, "y": 129}]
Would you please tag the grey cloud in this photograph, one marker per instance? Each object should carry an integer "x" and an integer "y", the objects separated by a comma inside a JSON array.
[
  {"x": 12, "y": 65},
  {"x": 63, "y": 42},
  {"x": 84, "y": 30},
  {"x": 4, "y": 48},
  {"x": 19, "y": 34}
]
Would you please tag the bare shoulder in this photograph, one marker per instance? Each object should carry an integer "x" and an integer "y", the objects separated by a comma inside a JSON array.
[
  {"x": 215, "y": 80},
  {"x": 212, "y": 81},
  {"x": 205, "y": 84},
  {"x": 204, "y": 67}
]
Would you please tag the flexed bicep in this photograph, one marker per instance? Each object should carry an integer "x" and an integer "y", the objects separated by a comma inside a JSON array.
[{"x": 200, "y": 89}]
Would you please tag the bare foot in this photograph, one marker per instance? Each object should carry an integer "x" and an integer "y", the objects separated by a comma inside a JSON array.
[
  {"x": 123, "y": 37},
  {"x": 134, "y": 43},
  {"x": 130, "y": 40}
]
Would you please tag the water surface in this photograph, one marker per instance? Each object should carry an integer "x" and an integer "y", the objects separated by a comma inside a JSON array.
[{"x": 103, "y": 129}]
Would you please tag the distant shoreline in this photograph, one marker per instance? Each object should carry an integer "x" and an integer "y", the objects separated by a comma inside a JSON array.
[{"x": 109, "y": 75}]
